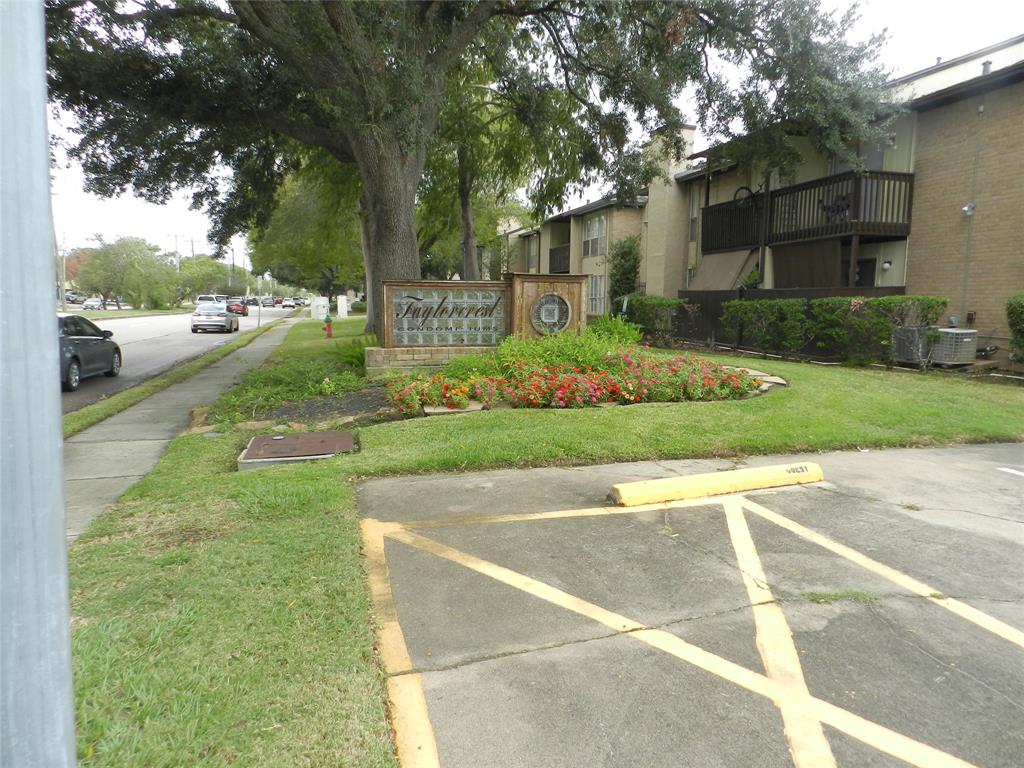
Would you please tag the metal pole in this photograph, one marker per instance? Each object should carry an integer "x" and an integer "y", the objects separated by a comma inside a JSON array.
[{"x": 36, "y": 701}]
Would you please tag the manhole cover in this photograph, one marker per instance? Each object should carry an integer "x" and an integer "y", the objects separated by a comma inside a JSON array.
[{"x": 299, "y": 446}]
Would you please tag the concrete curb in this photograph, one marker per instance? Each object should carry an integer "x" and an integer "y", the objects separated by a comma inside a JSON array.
[{"x": 714, "y": 484}]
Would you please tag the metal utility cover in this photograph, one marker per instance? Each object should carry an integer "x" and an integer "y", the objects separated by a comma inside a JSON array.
[{"x": 299, "y": 446}]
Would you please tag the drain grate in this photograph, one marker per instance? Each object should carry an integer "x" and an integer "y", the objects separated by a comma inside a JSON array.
[{"x": 268, "y": 449}]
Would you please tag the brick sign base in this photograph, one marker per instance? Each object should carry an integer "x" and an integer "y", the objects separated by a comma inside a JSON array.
[{"x": 381, "y": 361}]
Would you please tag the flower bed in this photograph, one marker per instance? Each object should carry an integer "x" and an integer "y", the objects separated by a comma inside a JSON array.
[{"x": 569, "y": 372}]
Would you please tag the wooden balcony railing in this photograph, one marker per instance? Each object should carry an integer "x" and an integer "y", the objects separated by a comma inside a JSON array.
[
  {"x": 731, "y": 226},
  {"x": 559, "y": 260},
  {"x": 874, "y": 203}
]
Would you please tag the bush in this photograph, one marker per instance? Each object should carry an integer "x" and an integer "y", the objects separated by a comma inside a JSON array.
[
  {"x": 771, "y": 325},
  {"x": 623, "y": 267},
  {"x": 1015, "y": 319},
  {"x": 570, "y": 371},
  {"x": 615, "y": 329},
  {"x": 353, "y": 354},
  {"x": 357, "y": 307},
  {"x": 655, "y": 314}
]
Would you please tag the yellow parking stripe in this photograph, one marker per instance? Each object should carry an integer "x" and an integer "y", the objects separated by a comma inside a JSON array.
[
  {"x": 563, "y": 513},
  {"x": 964, "y": 611},
  {"x": 807, "y": 743},
  {"x": 390, "y": 641},
  {"x": 414, "y": 736},
  {"x": 883, "y": 739}
]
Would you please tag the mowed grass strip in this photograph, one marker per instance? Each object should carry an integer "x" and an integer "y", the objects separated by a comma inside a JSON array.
[
  {"x": 113, "y": 314},
  {"x": 221, "y": 618}
]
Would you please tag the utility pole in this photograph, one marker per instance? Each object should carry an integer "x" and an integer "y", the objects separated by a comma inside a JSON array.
[{"x": 37, "y": 725}]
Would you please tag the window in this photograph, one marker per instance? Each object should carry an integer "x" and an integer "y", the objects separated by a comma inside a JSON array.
[
  {"x": 595, "y": 295},
  {"x": 533, "y": 253},
  {"x": 694, "y": 211},
  {"x": 595, "y": 235}
]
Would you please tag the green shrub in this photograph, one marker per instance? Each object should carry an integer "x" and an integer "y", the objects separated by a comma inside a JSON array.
[
  {"x": 623, "y": 266},
  {"x": 901, "y": 311},
  {"x": 616, "y": 329},
  {"x": 357, "y": 307},
  {"x": 353, "y": 354},
  {"x": 655, "y": 314},
  {"x": 770, "y": 325},
  {"x": 1015, "y": 319},
  {"x": 849, "y": 327}
]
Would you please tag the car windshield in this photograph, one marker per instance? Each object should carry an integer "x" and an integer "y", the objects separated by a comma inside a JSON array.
[{"x": 210, "y": 308}]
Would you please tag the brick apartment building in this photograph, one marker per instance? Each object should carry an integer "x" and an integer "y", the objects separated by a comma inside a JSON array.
[{"x": 938, "y": 210}]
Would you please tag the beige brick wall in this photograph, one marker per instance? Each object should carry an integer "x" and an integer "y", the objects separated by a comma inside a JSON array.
[
  {"x": 972, "y": 149},
  {"x": 380, "y": 361}
]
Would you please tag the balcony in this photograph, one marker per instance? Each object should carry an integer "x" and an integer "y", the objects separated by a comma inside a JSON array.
[
  {"x": 875, "y": 204},
  {"x": 558, "y": 263}
]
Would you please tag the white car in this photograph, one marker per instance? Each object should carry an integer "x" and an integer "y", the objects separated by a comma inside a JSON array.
[
  {"x": 214, "y": 317},
  {"x": 288, "y": 304},
  {"x": 92, "y": 304}
]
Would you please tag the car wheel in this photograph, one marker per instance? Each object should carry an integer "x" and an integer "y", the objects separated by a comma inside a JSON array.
[
  {"x": 115, "y": 365},
  {"x": 73, "y": 378},
  {"x": 195, "y": 330}
]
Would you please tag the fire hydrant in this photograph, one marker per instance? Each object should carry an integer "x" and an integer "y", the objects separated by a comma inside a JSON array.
[{"x": 328, "y": 327}]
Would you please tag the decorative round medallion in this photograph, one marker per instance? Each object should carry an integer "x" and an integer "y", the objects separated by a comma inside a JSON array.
[{"x": 550, "y": 313}]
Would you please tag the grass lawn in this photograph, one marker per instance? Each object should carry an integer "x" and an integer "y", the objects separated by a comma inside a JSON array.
[{"x": 221, "y": 618}]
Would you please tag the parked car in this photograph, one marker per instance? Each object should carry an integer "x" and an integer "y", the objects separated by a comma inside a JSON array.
[
  {"x": 236, "y": 304},
  {"x": 93, "y": 304},
  {"x": 85, "y": 350},
  {"x": 73, "y": 298},
  {"x": 251, "y": 301},
  {"x": 288, "y": 303},
  {"x": 277, "y": 301},
  {"x": 267, "y": 301},
  {"x": 214, "y": 317}
]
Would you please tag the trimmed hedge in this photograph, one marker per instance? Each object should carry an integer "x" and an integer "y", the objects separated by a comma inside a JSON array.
[
  {"x": 771, "y": 324},
  {"x": 654, "y": 314},
  {"x": 1015, "y": 319},
  {"x": 857, "y": 329}
]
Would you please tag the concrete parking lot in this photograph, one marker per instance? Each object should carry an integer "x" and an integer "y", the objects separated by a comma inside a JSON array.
[{"x": 873, "y": 619}]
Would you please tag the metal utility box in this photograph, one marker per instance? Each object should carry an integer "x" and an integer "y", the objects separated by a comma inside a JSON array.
[
  {"x": 954, "y": 346},
  {"x": 319, "y": 306}
]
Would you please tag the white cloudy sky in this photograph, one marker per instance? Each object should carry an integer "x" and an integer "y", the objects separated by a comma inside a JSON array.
[{"x": 919, "y": 31}]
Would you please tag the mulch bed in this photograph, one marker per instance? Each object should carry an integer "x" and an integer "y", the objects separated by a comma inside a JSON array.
[{"x": 363, "y": 406}]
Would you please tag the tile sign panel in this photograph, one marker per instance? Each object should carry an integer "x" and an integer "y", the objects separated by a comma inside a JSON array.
[{"x": 446, "y": 315}]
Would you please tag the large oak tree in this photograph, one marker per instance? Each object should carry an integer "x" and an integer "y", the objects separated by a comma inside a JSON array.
[{"x": 170, "y": 94}]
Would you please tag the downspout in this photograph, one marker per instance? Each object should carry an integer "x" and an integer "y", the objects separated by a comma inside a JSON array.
[{"x": 969, "y": 211}]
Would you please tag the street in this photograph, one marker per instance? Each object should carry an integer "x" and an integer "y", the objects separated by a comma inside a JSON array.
[{"x": 152, "y": 345}]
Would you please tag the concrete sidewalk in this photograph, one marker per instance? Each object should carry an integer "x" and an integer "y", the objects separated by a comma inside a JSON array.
[{"x": 102, "y": 462}]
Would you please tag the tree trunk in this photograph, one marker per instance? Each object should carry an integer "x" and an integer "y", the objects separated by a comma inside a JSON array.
[
  {"x": 470, "y": 260},
  {"x": 387, "y": 220}
]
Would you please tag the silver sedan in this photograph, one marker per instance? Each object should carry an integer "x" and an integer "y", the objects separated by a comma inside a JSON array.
[{"x": 214, "y": 317}]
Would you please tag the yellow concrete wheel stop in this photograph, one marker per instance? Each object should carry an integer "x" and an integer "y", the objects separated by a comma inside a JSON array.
[{"x": 714, "y": 484}]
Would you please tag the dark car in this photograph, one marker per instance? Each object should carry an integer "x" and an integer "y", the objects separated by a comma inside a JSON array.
[
  {"x": 251, "y": 301},
  {"x": 85, "y": 351},
  {"x": 267, "y": 301}
]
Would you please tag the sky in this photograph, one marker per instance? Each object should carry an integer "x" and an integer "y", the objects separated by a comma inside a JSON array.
[{"x": 919, "y": 31}]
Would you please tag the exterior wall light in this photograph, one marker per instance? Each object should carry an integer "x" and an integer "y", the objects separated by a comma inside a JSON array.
[{"x": 886, "y": 265}]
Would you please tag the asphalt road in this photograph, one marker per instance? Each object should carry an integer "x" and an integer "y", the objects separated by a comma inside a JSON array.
[
  {"x": 874, "y": 619},
  {"x": 152, "y": 345}
]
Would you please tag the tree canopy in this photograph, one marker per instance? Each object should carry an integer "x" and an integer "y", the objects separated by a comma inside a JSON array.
[
  {"x": 170, "y": 95},
  {"x": 312, "y": 237}
]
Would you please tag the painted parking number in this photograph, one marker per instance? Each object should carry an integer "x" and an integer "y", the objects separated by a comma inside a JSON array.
[{"x": 801, "y": 470}]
